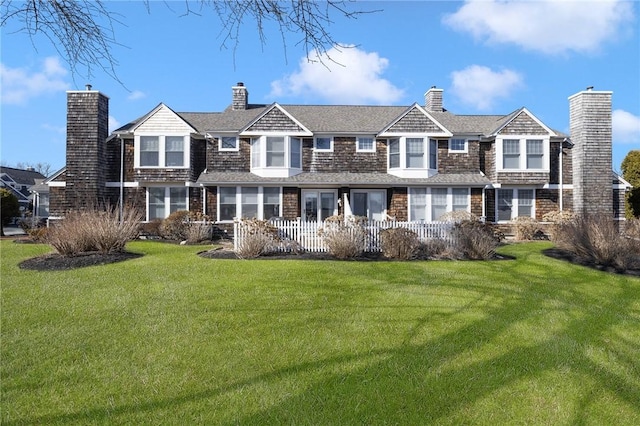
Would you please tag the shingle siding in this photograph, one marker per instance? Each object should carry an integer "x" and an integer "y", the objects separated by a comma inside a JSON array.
[
  {"x": 415, "y": 122},
  {"x": 523, "y": 124}
]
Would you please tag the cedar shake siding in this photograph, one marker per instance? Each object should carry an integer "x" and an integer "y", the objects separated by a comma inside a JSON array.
[{"x": 578, "y": 164}]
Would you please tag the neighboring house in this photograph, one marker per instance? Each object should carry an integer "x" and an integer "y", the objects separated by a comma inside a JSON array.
[
  {"x": 19, "y": 182},
  {"x": 411, "y": 162}
]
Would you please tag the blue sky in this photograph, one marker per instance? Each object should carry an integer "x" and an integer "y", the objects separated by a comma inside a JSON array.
[{"x": 490, "y": 57}]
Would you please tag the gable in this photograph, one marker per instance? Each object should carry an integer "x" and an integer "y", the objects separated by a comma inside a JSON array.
[
  {"x": 415, "y": 120},
  {"x": 275, "y": 120},
  {"x": 524, "y": 123},
  {"x": 162, "y": 120}
]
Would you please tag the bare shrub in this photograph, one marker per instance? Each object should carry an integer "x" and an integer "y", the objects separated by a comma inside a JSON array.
[
  {"x": 434, "y": 248},
  {"x": 175, "y": 226},
  {"x": 475, "y": 240},
  {"x": 94, "y": 230},
  {"x": 344, "y": 238},
  {"x": 632, "y": 228},
  {"x": 526, "y": 228},
  {"x": 558, "y": 219},
  {"x": 257, "y": 238},
  {"x": 399, "y": 243},
  {"x": 458, "y": 216},
  {"x": 595, "y": 238},
  {"x": 151, "y": 228}
]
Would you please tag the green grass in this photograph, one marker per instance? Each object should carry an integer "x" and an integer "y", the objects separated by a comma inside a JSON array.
[{"x": 172, "y": 338}]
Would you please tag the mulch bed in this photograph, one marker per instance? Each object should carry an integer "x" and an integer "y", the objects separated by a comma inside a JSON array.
[{"x": 57, "y": 262}]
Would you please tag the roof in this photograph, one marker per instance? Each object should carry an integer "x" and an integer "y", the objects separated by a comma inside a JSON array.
[
  {"x": 22, "y": 176},
  {"x": 343, "y": 178}
]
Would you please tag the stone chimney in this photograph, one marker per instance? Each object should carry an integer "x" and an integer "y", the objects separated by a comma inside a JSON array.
[
  {"x": 590, "y": 126},
  {"x": 433, "y": 100},
  {"x": 87, "y": 131},
  {"x": 240, "y": 97}
]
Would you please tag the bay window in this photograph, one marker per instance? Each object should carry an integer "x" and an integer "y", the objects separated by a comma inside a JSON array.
[
  {"x": 276, "y": 156},
  {"x": 412, "y": 156}
]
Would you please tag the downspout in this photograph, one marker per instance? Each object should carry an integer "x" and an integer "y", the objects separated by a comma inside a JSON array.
[
  {"x": 560, "y": 204},
  {"x": 204, "y": 200},
  {"x": 121, "y": 178}
]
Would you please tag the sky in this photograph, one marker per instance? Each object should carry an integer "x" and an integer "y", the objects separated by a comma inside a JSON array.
[{"x": 489, "y": 57}]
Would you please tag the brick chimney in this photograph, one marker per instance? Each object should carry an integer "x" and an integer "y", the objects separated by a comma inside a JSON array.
[
  {"x": 433, "y": 100},
  {"x": 590, "y": 126},
  {"x": 240, "y": 97},
  {"x": 87, "y": 131}
]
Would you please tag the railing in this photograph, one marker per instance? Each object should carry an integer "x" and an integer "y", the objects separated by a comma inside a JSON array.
[{"x": 299, "y": 235}]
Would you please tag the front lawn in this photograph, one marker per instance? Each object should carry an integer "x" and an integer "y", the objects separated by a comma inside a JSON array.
[{"x": 173, "y": 338}]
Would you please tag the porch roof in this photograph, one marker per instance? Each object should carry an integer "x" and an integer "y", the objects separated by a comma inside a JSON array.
[{"x": 343, "y": 179}]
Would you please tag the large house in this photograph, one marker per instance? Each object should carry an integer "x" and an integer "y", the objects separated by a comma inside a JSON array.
[
  {"x": 413, "y": 162},
  {"x": 19, "y": 182}
]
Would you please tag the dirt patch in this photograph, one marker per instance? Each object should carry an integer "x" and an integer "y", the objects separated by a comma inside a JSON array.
[
  {"x": 571, "y": 257},
  {"x": 57, "y": 262}
]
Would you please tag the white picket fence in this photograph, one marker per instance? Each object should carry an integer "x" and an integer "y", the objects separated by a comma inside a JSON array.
[{"x": 299, "y": 235}]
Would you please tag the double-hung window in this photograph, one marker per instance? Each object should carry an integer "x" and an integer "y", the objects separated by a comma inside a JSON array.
[
  {"x": 411, "y": 157},
  {"x": 511, "y": 154},
  {"x": 535, "y": 153},
  {"x": 275, "y": 151},
  {"x": 431, "y": 203},
  {"x": 161, "y": 151},
  {"x": 438, "y": 202},
  {"x": 276, "y": 156},
  {"x": 415, "y": 153},
  {"x": 418, "y": 203},
  {"x": 394, "y": 153}
]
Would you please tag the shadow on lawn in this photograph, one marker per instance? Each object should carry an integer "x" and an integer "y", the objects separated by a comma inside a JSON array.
[{"x": 428, "y": 381}]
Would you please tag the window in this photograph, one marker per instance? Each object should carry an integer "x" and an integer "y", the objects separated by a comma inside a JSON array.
[
  {"x": 149, "y": 151},
  {"x": 370, "y": 204},
  {"x": 511, "y": 154},
  {"x": 161, "y": 151},
  {"x": 319, "y": 204},
  {"x": 174, "y": 151},
  {"x": 418, "y": 204},
  {"x": 433, "y": 154},
  {"x": 534, "y": 153},
  {"x": 365, "y": 145},
  {"x": 394, "y": 153},
  {"x": 460, "y": 199},
  {"x": 276, "y": 156},
  {"x": 415, "y": 153},
  {"x": 162, "y": 201},
  {"x": 431, "y": 203},
  {"x": 43, "y": 205},
  {"x": 228, "y": 143},
  {"x": 275, "y": 151},
  {"x": 248, "y": 202},
  {"x": 512, "y": 203},
  {"x": 438, "y": 202},
  {"x": 457, "y": 145},
  {"x": 323, "y": 144}
]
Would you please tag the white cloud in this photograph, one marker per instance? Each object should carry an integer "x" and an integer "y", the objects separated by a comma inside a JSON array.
[
  {"x": 480, "y": 87},
  {"x": 350, "y": 76},
  {"x": 19, "y": 85},
  {"x": 113, "y": 124},
  {"x": 626, "y": 127},
  {"x": 550, "y": 27},
  {"x": 135, "y": 95}
]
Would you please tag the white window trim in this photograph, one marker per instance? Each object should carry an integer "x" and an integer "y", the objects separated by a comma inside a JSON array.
[
  {"x": 459, "y": 151},
  {"x": 429, "y": 201},
  {"x": 317, "y": 192},
  {"x": 220, "y": 148},
  {"x": 515, "y": 202},
  {"x": 162, "y": 151},
  {"x": 523, "y": 153},
  {"x": 167, "y": 198},
  {"x": 239, "y": 201},
  {"x": 373, "y": 147},
  {"x": 264, "y": 171},
  {"x": 414, "y": 172},
  {"x": 315, "y": 143},
  {"x": 385, "y": 211}
]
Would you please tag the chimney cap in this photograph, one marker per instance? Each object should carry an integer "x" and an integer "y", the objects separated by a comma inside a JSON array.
[
  {"x": 589, "y": 88},
  {"x": 240, "y": 84},
  {"x": 88, "y": 86}
]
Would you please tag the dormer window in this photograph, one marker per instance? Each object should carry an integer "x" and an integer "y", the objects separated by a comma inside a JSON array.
[
  {"x": 522, "y": 153},
  {"x": 276, "y": 156},
  {"x": 228, "y": 143},
  {"x": 412, "y": 156},
  {"x": 161, "y": 151}
]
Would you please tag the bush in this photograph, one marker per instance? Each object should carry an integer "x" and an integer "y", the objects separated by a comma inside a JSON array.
[
  {"x": 475, "y": 240},
  {"x": 458, "y": 216},
  {"x": 596, "y": 239},
  {"x": 183, "y": 225},
  {"x": 399, "y": 243},
  {"x": 151, "y": 228},
  {"x": 526, "y": 228},
  {"x": 344, "y": 238},
  {"x": 632, "y": 228},
  {"x": 558, "y": 219},
  {"x": 435, "y": 248},
  {"x": 257, "y": 238},
  {"x": 94, "y": 230}
]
